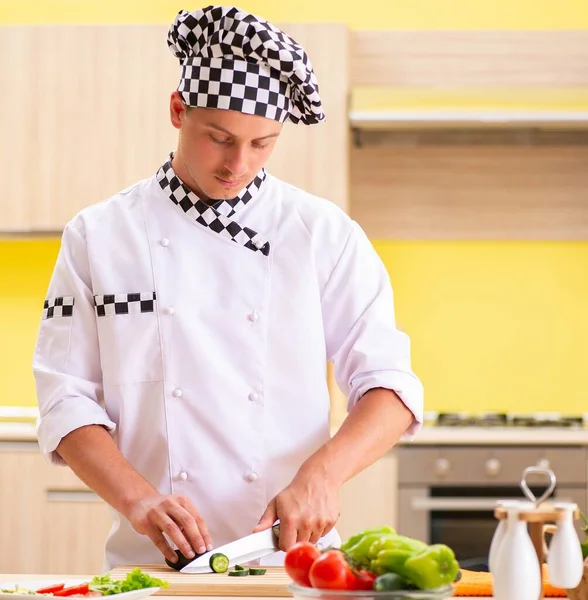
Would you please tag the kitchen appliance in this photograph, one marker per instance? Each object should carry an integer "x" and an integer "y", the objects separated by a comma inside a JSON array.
[{"x": 447, "y": 492}]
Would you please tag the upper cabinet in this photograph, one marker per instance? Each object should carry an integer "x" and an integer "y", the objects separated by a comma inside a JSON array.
[{"x": 84, "y": 113}]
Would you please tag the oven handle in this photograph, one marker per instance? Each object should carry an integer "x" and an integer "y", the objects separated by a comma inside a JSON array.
[{"x": 454, "y": 504}]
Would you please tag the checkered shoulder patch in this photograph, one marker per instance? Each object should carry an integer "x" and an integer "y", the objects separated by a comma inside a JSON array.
[
  {"x": 108, "y": 305},
  {"x": 60, "y": 306}
]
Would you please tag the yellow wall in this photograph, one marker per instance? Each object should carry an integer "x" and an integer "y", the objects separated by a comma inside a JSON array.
[
  {"x": 494, "y": 325},
  {"x": 370, "y": 14}
]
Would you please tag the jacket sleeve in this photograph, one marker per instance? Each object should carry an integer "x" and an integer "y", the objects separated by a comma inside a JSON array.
[
  {"x": 66, "y": 360},
  {"x": 363, "y": 342}
]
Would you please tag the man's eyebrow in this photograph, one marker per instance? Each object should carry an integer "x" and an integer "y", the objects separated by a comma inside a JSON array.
[{"x": 219, "y": 128}]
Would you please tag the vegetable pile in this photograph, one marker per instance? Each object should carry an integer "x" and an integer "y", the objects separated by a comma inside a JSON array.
[
  {"x": 376, "y": 559},
  {"x": 101, "y": 585}
]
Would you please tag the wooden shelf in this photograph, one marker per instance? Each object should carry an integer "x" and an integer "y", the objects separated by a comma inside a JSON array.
[{"x": 385, "y": 108}]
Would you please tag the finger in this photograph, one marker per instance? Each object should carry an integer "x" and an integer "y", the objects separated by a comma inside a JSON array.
[
  {"x": 160, "y": 543},
  {"x": 200, "y": 524},
  {"x": 268, "y": 518},
  {"x": 189, "y": 527},
  {"x": 316, "y": 534},
  {"x": 288, "y": 533},
  {"x": 304, "y": 530},
  {"x": 165, "y": 524}
]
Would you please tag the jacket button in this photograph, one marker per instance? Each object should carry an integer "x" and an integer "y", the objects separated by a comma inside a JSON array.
[
  {"x": 183, "y": 475},
  {"x": 169, "y": 310},
  {"x": 164, "y": 242},
  {"x": 177, "y": 393},
  {"x": 253, "y": 396},
  {"x": 252, "y": 476},
  {"x": 253, "y": 316}
]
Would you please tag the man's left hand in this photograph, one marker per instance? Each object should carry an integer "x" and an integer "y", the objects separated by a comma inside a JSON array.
[{"x": 307, "y": 509}]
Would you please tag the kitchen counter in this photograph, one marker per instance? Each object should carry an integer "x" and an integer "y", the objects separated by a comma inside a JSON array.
[
  {"x": 517, "y": 436},
  {"x": 14, "y": 431},
  {"x": 28, "y": 577},
  {"x": 428, "y": 435}
]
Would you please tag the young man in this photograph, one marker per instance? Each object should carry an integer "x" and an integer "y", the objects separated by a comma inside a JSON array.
[{"x": 181, "y": 358}]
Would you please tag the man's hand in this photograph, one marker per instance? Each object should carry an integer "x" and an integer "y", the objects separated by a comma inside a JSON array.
[
  {"x": 177, "y": 517},
  {"x": 307, "y": 509}
]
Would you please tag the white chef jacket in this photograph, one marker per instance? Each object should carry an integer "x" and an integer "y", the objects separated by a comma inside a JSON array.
[{"x": 212, "y": 380}]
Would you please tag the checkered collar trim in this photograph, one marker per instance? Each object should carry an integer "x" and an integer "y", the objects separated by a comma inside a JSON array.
[{"x": 216, "y": 216}]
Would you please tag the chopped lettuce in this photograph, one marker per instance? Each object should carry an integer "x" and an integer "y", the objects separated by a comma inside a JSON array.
[{"x": 135, "y": 580}]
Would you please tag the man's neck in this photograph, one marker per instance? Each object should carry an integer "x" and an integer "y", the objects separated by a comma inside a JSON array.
[{"x": 182, "y": 172}]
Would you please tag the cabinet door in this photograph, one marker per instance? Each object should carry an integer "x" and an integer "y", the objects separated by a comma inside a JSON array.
[
  {"x": 76, "y": 525},
  {"x": 50, "y": 522},
  {"x": 370, "y": 498}
]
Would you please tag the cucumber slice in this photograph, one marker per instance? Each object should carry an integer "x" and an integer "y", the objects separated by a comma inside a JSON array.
[
  {"x": 239, "y": 568},
  {"x": 241, "y": 573},
  {"x": 257, "y": 571},
  {"x": 219, "y": 562}
]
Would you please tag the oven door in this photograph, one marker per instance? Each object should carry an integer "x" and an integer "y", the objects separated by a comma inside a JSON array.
[{"x": 463, "y": 517}]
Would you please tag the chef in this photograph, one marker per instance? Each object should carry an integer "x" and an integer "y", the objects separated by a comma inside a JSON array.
[{"x": 182, "y": 353}]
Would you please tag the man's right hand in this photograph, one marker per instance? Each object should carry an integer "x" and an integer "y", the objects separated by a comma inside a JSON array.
[{"x": 178, "y": 518}]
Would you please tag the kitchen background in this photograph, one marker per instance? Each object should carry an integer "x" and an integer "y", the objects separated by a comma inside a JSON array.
[{"x": 484, "y": 234}]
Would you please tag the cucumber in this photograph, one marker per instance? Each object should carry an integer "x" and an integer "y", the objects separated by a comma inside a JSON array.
[
  {"x": 257, "y": 571},
  {"x": 389, "y": 582},
  {"x": 219, "y": 562},
  {"x": 239, "y": 568},
  {"x": 241, "y": 573}
]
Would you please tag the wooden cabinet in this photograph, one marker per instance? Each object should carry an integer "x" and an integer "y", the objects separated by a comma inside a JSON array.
[
  {"x": 49, "y": 521},
  {"x": 370, "y": 498},
  {"x": 105, "y": 119}
]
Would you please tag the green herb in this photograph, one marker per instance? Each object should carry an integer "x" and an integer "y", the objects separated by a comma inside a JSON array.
[{"x": 135, "y": 580}]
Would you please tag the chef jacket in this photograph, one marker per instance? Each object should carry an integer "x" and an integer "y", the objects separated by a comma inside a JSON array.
[{"x": 203, "y": 350}]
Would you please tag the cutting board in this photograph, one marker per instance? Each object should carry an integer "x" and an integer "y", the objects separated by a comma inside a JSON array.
[{"x": 273, "y": 583}]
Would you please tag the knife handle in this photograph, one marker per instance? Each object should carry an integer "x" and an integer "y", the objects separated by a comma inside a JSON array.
[{"x": 182, "y": 561}]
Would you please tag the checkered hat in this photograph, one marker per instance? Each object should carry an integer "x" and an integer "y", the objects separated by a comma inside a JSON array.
[{"x": 234, "y": 60}]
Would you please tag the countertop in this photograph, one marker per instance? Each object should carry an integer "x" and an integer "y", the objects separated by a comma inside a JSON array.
[
  {"x": 61, "y": 577},
  {"x": 516, "y": 436}
]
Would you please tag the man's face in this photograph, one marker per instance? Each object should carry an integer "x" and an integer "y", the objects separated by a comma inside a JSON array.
[{"x": 223, "y": 150}]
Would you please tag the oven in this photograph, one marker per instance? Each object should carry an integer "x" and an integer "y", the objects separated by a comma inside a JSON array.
[{"x": 447, "y": 494}]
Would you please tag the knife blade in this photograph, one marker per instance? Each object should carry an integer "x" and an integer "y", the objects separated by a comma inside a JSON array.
[{"x": 256, "y": 545}]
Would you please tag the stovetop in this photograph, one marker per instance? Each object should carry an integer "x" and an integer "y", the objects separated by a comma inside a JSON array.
[{"x": 498, "y": 419}]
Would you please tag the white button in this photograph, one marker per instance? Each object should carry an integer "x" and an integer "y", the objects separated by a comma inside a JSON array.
[
  {"x": 177, "y": 393},
  {"x": 258, "y": 244},
  {"x": 253, "y": 396},
  {"x": 253, "y": 316},
  {"x": 252, "y": 476},
  {"x": 183, "y": 475},
  {"x": 169, "y": 310},
  {"x": 164, "y": 242}
]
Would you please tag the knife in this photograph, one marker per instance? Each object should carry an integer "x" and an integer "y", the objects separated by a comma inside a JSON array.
[{"x": 256, "y": 545}]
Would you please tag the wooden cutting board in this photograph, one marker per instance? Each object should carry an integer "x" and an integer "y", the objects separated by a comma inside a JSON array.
[{"x": 273, "y": 583}]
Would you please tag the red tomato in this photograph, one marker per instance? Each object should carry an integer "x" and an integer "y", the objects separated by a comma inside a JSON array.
[
  {"x": 51, "y": 589},
  {"x": 330, "y": 571},
  {"x": 361, "y": 580},
  {"x": 74, "y": 590},
  {"x": 298, "y": 561}
]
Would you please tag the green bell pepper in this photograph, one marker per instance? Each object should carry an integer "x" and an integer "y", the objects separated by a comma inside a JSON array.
[
  {"x": 357, "y": 547},
  {"x": 434, "y": 567}
]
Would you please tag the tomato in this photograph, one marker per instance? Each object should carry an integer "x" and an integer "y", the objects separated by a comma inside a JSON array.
[
  {"x": 74, "y": 590},
  {"x": 51, "y": 589},
  {"x": 330, "y": 571},
  {"x": 361, "y": 580},
  {"x": 298, "y": 561}
]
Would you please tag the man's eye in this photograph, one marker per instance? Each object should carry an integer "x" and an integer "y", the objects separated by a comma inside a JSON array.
[{"x": 219, "y": 141}]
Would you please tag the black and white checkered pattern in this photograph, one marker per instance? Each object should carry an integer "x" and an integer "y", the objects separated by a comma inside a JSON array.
[
  {"x": 215, "y": 216},
  {"x": 234, "y": 60},
  {"x": 108, "y": 305},
  {"x": 61, "y": 306}
]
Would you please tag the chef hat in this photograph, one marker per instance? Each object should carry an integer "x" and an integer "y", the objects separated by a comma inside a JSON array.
[{"x": 234, "y": 60}]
